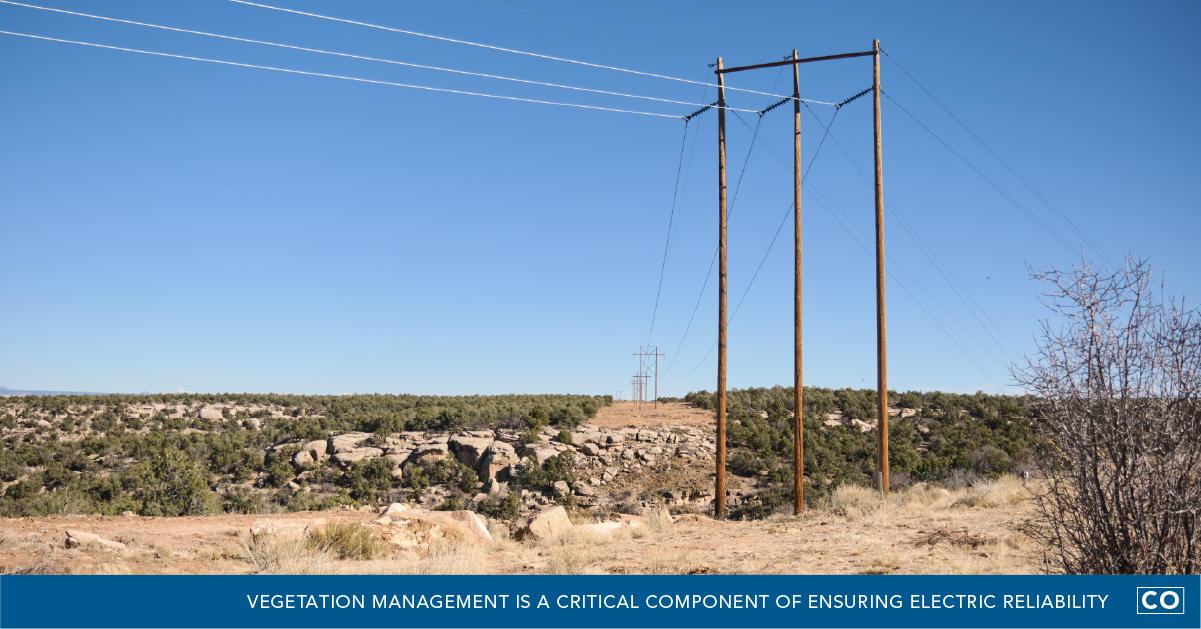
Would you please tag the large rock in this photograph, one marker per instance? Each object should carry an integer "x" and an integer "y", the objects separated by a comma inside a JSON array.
[
  {"x": 590, "y": 449},
  {"x": 583, "y": 489},
  {"x": 540, "y": 451},
  {"x": 496, "y": 461},
  {"x": 210, "y": 412},
  {"x": 417, "y": 530},
  {"x": 80, "y": 538},
  {"x": 429, "y": 453},
  {"x": 345, "y": 458},
  {"x": 560, "y": 489},
  {"x": 316, "y": 449},
  {"x": 546, "y": 524},
  {"x": 347, "y": 441},
  {"x": 470, "y": 450},
  {"x": 302, "y": 460}
]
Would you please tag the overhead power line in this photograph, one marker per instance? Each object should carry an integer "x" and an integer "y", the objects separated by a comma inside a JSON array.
[
  {"x": 345, "y": 78},
  {"x": 343, "y": 54},
  {"x": 510, "y": 50},
  {"x": 1071, "y": 225}
]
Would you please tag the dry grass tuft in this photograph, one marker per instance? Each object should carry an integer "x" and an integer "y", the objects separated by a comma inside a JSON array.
[
  {"x": 348, "y": 541},
  {"x": 568, "y": 561},
  {"x": 271, "y": 555}
]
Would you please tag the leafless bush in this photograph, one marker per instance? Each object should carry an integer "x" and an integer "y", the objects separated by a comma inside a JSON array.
[
  {"x": 960, "y": 478},
  {"x": 1119, "y": 423}
]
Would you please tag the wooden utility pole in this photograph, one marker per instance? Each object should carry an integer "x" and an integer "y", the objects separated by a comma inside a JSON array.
[
  {"x": 881, "y": 337},
  {"x": 798, "y": 446},
  {"x": 719, "y": 497},
  {"x": 798, "y": 401}
]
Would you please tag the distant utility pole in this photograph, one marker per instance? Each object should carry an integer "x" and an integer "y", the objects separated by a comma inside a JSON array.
[
  {"x": 648, "y": 359},
  {"x": 882, "y": 353}
]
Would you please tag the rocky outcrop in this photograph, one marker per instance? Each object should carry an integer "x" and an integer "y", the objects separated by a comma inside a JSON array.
[{"x": 417, "y": 530}]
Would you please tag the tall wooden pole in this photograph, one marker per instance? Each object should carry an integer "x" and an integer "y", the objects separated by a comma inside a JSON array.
[
  {"x": 798, "y": 446},
  {"x": 881, "y": 337},
  {"x": 719, "y": 498}
]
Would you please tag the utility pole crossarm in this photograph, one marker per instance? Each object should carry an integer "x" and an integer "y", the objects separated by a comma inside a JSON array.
[{"x": 794, "y": 62}]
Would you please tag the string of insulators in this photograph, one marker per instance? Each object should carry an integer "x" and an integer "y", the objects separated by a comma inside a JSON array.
[
  {"x": 855, "y": 96},
  {"x": 700, "y": 111},
  {"x": 782, "y": 101}
]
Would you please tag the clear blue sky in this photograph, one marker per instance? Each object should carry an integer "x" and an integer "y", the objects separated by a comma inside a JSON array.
[{"x": 171, "y": 223}]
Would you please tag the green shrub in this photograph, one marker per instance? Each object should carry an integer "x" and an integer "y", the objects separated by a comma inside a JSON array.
[
  {"x": 450, "y": 504},
  {"x": 564, "y": 437},
  {"x": 556, "y": 468},
  {"x": 172, "y": 484}
]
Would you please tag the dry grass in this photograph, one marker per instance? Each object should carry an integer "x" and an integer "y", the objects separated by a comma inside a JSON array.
[
  {"x": 348, "y": 540},
  {"x": 272, "y": 555}
]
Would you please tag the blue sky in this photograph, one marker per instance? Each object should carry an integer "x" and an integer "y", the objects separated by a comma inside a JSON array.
[{"x": 172, "y": 223}]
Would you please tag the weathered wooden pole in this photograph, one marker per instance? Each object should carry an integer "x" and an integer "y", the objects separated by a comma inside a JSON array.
[
  {"x": 798, "y": 446},
  {"x": 719, "y": 498},
  {"x": 881, "y": 336}
]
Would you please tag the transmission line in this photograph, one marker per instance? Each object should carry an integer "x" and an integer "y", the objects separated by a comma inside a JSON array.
[
  {"x": 1067, "y": 221},
  {"x": 345, "y": 78},
  {"x": 343, "y": 54},
  {"x": 670, "y": 221},
  {"x": 930, "y": 255},
  {"x": 510, "y": 50}
]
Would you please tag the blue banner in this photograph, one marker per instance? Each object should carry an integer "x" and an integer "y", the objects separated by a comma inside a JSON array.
[{"x": 599, "y": 601}]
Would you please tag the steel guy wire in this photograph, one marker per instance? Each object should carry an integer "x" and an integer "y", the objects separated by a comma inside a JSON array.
[
  {"x": 510, "y": 50},
  {"x": 345, "y": 78},
  {"x": 1071, "y": 225},
  {"x": 343, "y": 54}
]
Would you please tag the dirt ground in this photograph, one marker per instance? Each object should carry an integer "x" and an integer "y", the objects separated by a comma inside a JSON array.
[
  {"x": 924, "y": 531},
  {"x": 630, "y": 415}
]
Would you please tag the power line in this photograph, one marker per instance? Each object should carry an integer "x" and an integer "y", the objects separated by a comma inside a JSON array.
[
  {"x": 729, "y": 212},
  {"x": 1004, "y": 163},
  {"x": 342, "y": 54},
  {"x": 670, "y": 221},
  {"x": 929, "y": 253},
  {"x": 1050, "y": 232},
  {"x": 772, "y": 150},
  {"x": 345, "y": 78},
  {"x": 518, "y": 52}
]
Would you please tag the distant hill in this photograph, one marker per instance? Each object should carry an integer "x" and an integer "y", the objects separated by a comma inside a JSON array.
[{"x": 5, "y": 391}]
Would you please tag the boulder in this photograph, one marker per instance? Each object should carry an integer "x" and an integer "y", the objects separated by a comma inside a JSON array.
[
  {"x": 346, "y": 457},
  {"x": 540, "y": 451},
  {"x": 316, "y": 449},
  {"x": 610, "y": 473},
  {"x": 346, "y": 441},
  {"x": 417, "y": 530},
  {"x": 210, "y": 412},
  {"x": 560, "y": 489},
  {"x": 80, "y": 538},
  {"x": 545, "y": 524},
  {"x": 616, "y": 438},
  {"x": 252, "y": 423},
  {"x": 590, "y": 449},
  {"x": 470, "y": 450},
  {"x": 302, "y": 459},
  {"x": 583, "y": 489}
]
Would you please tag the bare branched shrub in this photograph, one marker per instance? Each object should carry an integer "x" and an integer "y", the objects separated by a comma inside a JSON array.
[
  {"x": 348, "y": 541},
  {"x": 1120, "y": 425}
]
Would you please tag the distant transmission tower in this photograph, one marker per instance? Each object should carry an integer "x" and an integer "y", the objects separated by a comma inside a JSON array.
[{"x": 648, "y": 364}]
